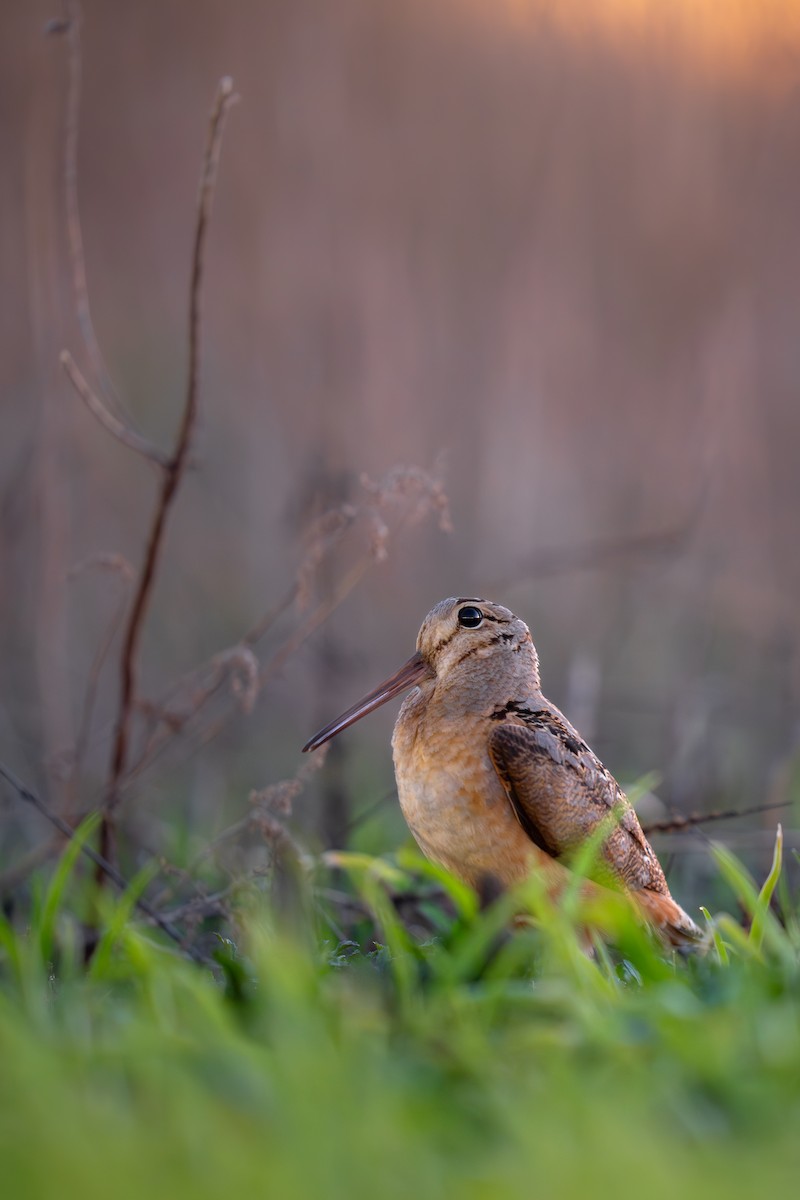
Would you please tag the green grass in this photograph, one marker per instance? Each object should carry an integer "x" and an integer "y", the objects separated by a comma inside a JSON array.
[{"x": 480, "y": 1064}]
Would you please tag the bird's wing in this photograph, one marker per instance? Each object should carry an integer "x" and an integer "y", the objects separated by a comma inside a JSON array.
[{"x": 560, "y": 792}]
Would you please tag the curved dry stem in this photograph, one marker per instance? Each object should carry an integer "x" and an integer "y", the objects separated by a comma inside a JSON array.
[
  {"x": 123, "y": 430},
  {"x": 112, "y": 424},
  {"x": 175, "y": 468}
]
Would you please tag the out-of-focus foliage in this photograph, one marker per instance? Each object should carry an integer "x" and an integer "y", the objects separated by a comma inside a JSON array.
[{"x": 482, "y": 1064}]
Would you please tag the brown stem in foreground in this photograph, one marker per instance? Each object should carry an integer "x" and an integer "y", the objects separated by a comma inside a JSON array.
[{"x": 173, "y": 471}]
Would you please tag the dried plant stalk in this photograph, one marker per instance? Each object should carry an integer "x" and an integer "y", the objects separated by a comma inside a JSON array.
[{"x": 174, "y": 470}]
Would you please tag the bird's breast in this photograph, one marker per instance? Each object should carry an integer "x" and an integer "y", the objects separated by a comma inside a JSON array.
[{"x": 452, "y": 798}]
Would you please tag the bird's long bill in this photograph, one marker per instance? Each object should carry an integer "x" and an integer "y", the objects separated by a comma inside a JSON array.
[{"x": 412, "y": 672}]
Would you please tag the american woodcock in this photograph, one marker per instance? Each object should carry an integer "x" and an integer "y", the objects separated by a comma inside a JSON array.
[{"x": 494, "y": 782}]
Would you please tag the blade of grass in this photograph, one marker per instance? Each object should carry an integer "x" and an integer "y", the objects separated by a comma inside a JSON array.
[
  {"x": 741, "y": 882},
  {"x": 117, "y": 920},
  {"x": 737, "y": 937},
  {"x": 719, "y": 945},
  {"x": 370, "y": 877},
  {"x": 54, "y": 895},
  {"x": 463, "y": 897},
  {"x": 761, "y": 913}
]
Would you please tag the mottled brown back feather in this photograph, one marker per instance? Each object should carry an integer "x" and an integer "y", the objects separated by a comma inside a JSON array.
[{"x": 561, "y": 792}]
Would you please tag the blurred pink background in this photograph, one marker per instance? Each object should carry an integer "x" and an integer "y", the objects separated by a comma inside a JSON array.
[{"x": 555, "y": 259}]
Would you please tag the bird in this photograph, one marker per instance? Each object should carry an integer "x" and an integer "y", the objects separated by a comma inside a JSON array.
[{"x": 494, "y": 782}]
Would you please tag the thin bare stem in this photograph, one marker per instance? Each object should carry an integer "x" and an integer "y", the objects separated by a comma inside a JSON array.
[
  {"x": 204, "y": 906},
  {"x": 163, "y": 737},
  {"x": 112, "y": 424},
  {"x": 316, "y": 618},
  {"x": 99, "y": 861},
  {"x": 175, "y": 468},
  {"x": 691, "y": 820},
  {"x": 71, "y": 28},
  {"x": 265, "y": 623},
  {"x": 280, "y": 658},
  {"x": 205, "y": 683}
]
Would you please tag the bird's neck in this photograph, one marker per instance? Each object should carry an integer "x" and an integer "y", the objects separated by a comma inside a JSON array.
[{"x": 482, "y": 685}]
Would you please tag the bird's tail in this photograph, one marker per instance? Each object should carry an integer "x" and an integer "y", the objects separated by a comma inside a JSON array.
[{"x": 669, "y": 920}]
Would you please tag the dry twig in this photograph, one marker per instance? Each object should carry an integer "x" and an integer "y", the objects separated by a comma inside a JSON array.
[
  {"x": 174, "y": 470},
  {"x": 416, "y": 492},
  {"x": 691, "y": 820},
  {"x": 267, "y": 804},
  {"x": 115, "y": 427},
  {"x": 70, "y": 27}
]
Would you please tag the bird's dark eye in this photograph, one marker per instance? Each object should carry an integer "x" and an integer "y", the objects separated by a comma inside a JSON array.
[{"x": 470, "y": 617}]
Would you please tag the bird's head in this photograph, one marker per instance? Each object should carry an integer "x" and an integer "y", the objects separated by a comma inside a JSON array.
[{"x": 460, "y": 639}]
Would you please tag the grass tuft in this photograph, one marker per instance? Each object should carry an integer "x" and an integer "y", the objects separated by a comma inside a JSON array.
[{"x": 485, "y": 1061}]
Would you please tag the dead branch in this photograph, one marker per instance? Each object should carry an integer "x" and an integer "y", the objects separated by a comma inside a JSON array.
[
  {"x": 122, "y": 430},
  {"x": 265, "y": 623},
  {"x": 317, "y": 617},
  {"x": 418, "y": 491},
  {"x": 267, "y": 803},
  {"x": 266, "y": 807},
  {"x": 169, "y": 722},
  {"x": 422, "y": 493},
  {"x": 72, "y": 29},
  {"x": 107, "y": 868},
  {"x": 175, "y": 468},
  {"x": 115, "y": 427},
  {"x": 691, "y": 820},
  {"x": 274, "y": 665},
  {"x": 200, "y": 907}
]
